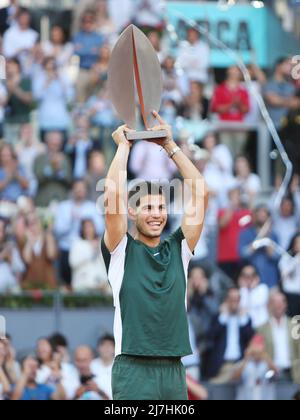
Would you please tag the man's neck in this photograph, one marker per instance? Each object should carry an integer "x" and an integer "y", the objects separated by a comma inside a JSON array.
[
  {"x": 279, "y": 77},
  {"x": 151, "y": 242}
]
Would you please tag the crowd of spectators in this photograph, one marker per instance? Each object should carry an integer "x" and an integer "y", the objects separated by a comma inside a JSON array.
[{"x": 56, "y": 122}]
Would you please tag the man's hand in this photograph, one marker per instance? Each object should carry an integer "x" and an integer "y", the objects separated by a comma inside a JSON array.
[
  {"x": 162, "y": 126},
  {"x": 120, "y": 137}
]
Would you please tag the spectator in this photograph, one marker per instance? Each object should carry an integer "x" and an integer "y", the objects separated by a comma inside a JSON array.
[
  {"x": 58, "y": 48},
  {"x": 27, "y": 388},
  {"x": 286, "y": 221},
  {"x": 280, "y": 93},
  {"x": 3, "y": 102},
  {"x": 88, "y": 383},
  {"x": 194, "y": 57},
  {"x": 102, "y": 366},
  {"x": 5, "y": 387},
  {"x": 88, "y": 270},
  {"x": 13, "y": 183},
  {"x": 262, "y": 254},
  {"x": 175, "y": 85},
  {"x": 96, "y": 172},
  {"x": 230, "y": 228},
  {"x": 19, "y": 39},
  {"x": 220, "y": 155},
  {"x": 87, "y": 43},
  {"x": 8, "y": 15},
  {"x": 149, "y": 14},
  {"x": 20, "y": 100},
  {"x": 254, "y": 296},
  {"x": 39, "y": 254},
  {"x": 203, "y": 305},
  {"x": 258, "y": 80},
  {"x": 230, "y": 335},
  {"x": 283, "y": 349},
  {"x": 195, "y": 106},
  {"x": 68, "y": 220},
  {"x": 53, "y": 92},
  {"x": 104, "y": 24},
  {"x": 250, "y": 183},
  {"x": 290, "y": 275},
  {"x": 99, "y": 71},
  {"x": 155, "y": 37},
  {"x": 53, "y": 172},
  {"x": 254, "y": 372},
  {"x": 10, "y": 366},
  {"x": 60, "y": 345}
]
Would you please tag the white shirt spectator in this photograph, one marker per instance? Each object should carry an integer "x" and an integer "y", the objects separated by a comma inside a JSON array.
[
  {"x": 103, "y": 374},
  {"x": 194, "y": 60},
  {"x": 285, "y": 228},
  {"x": 290, "y": 273},
  {"x": 148, "y": 12},
  {"x": 69, "y": 378},
  {"x": 255, "y": 303},
  {"x": 18, "y": 42},
  {"x": 281, "y": 340}
]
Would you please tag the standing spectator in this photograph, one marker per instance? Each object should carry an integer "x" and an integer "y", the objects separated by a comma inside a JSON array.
[
  {"x": 194, "y": 57},
  {"x": 53, "y": 92},
  {"x": 195, "y": 106},
  {"x": 88, "y": 270},
  {"x": 175, "y": 84},
  {"x": 283, "y": 349},
  {"x": 149, "y": 14},
  {"x": 13, "y": 183},
  {"x": 88, "y": 383},
  {"x": 87, "y": 43},
  {"x": 99, "y": 71},
  {"x": 254, "y": 295},
  {"x": 230, "y": 228},
  {"x": 58, "y": 48},
  {"x": 203, "y": 305},
  {"x": 11, "y": 264},
  {"x": 286, "y": 221},
  {"x": 19, "y": 39},
  {"x": 258, "y": 80},
  {"x": 68, "y": 220},
  {"x": 290, "y": 275},
  {"x": 102, "y": 366},
  {"x": 96, "y": 172},
  {"x": 53, "y": 172},
  {"x": 250, "y": 183},
  {"x": 229, "y": 337},
  {"x": 20, "y": 100},
  {"x": 280, "y": 93},
  {"x": 104, "y": 24},
  {"x": 27, "y": 388},
  {"x": 39, "y": 254},
  {"x": 220, "y": 155},
  {"x": 231, "y": 103},
  {"x": 263, "y": 255}
]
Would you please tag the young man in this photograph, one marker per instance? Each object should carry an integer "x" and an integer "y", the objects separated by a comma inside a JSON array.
[{"x": 148, "y": 277}]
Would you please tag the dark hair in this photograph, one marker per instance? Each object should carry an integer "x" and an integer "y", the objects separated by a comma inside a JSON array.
[
  {"x": 23, "y": 11},
  {"x": 246, "y": 265},
  {"x": 82, "y": 226},
  {"x": 16, "y": 61},
  {"x": 231, "y": 289},
  {"x": 280, "y": 61},
  {"x": 289, "y": 197},
  {"x": 58, "y": 340},
  {"x": 142, "y": 190},
  {"x": 291, "y": 248},
  {"x": 104, "y": 338}
]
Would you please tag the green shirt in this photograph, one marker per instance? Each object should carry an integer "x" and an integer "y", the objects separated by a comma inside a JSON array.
[{"x": 149, "y": 288}]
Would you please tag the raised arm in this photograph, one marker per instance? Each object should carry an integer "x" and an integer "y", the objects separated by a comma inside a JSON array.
[
  {"x": 116, "y": 192},
  {"x": 195, "y": 209}
]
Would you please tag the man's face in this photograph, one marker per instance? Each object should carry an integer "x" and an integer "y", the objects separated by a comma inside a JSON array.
[
  {"x": 233, "y": 301},
  {"x": 249, "y": 277},
  {"x": 83, "y": 360},
  {"x": 286, "y": 68},
  {"x": 24, "y": 20},
  {"x": 261, "y": 217},
  {"x": 193, "y": 36},
  {"x": 151, "y": 216},
  {"x": 107, "y": 350},
  {"x": 54, "y": 142},
  {"x": 32, "y": 369},
  {"x": 79, "y": 191},
  {"x": 278, "y": 306},
  {"x": 88, "y": 23}
]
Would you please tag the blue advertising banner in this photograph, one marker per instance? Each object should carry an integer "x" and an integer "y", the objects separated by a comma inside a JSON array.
[{"x": 255, "y": 34}]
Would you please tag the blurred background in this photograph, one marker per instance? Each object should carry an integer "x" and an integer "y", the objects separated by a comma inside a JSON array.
[{"x": 56, "y": 122}]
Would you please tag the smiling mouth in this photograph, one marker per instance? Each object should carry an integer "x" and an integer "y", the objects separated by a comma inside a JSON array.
[{"x": 154, "y": 224}]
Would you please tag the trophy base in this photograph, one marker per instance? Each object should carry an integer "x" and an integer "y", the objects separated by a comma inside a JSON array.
[{"x": 146, "y": 135}]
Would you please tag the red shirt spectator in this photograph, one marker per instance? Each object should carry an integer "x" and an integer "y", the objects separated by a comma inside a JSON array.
[{"x": 231, "y": 100}]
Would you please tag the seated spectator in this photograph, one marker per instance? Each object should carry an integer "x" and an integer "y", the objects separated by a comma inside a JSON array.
[
  {"x": 10, "y": 366},
  {"x": 19, "y": 39},
  {"x": 254, "y": 296},
  {"x": 60, "y": 345},
  {"x": 194, "y": 57},
  {"x": 87, "y": 43},
  {"x": 5, "y": 386},
  {"x": 203, "y": 305},
  {"x": 290, "y": 276},
  {"x": 53, "y": 172},
  {"x": 281, "y": 347},
  {"x": 88, "y": 270},
  {"x": 229, "y": 336},
  {"x": 88, "y": 384},
  {"x": 3, "y": 102},
  {"x": 175, "y": 85},
  {"x": 254, "y": 372},
  {"x": 195, "y": 106},
  {"x": 262, "y": 254},
  {"x": 250, "y": 183},
  {"x": 39, "y": 255},
  {"x": 280, "y": 92},
  {"x": 13, "y": 183},
  {"x": 96, "y": 172},
  {"x": 102, "y": 366},
  {"x": 99, "y": 71},
  {"x": 53, "y": 92},
  {"x": 220, "y": 155},
  {"x": 68, "y": 220},
  {"x": 20, "y": 100},
  {"x": 286, "y": 221},
  {"x": 11, "y": 264},
  {"x": 58, "y": 48},
  {"x": 27, "y": 388},
  {"x": 230, "y": 228}
]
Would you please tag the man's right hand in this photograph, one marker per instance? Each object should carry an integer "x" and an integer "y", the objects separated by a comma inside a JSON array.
[{"x": 120, "y": 137}]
